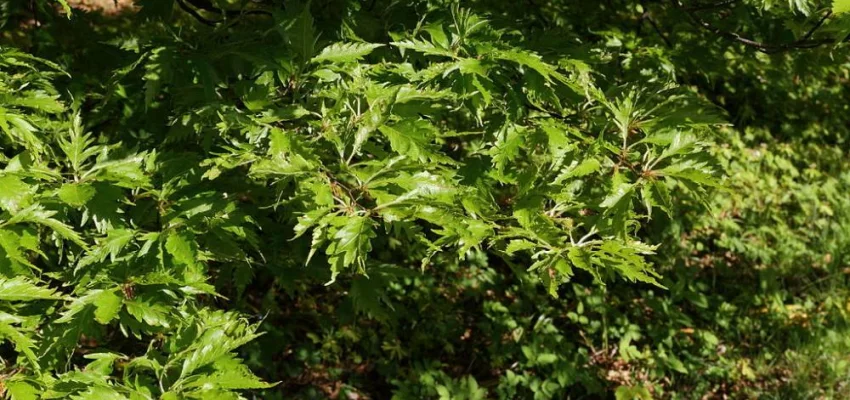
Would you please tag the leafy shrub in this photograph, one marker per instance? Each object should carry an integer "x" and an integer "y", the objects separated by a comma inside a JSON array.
[{"x": 417, "y": 200}]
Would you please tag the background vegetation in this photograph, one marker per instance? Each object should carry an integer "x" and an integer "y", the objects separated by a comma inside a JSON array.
[{"x": 424, "y": 199}]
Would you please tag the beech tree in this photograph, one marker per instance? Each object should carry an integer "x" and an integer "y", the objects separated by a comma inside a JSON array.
[{"x": 425, "y": 199}]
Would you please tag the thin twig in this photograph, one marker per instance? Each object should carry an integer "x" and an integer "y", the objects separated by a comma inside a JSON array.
[
  {"x": 769, "y": 48},
  {"x": 817, "y": 25},
  {"x": 194, "y": 13},
  {"x": 648, "y": 18},
  {"x": 208, "y": 6},
  {"x": 702, "y": 7}
]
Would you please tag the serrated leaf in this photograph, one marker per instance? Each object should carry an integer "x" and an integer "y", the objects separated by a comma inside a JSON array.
[
  {"x": 622, "y": 192},
  {"x": 215, "y": 342},
  {"x": 697, "y": 173},
  {"x": 78, "y": 146},
  {"x": 112, "y": 246},
  {"x": 309, "y": 220},
  {"x": 230, "y": 374},
  {"x": 39, "y": 101},
  {"x": 423, "y": 47},
  {"x": 76, "y": 195},
  {"x": 22, "y": 289},
  {"x": 345, "y": 52},
  {"x": 580, "y": 258},
  {"x": 153, "y": 314},
  {"x": 102, "y": 364},
  {"x": 107, "y": 305},
  {"x": 532, "y": 61},
  {"x": 37, "y": 214},
  {"x": 14, "y": 193},
  {"x": 412, "y": 139},
  {"x": 507, "y": 147},
  {"x": 100, "y": 393},
  {"x": 301, "y": 35},
  {"x": 23, "y": 344},
  {"x": 182, "y": 247},
  {"x": 372, "y": 119},
  {"x": 352, "y": 241},
  {"x": 662, "y": 194},
  {"x": 627, "y": 261},
  {"x": 78, "y": 305},
  {"x": 519, "y": 245},
  {"x": 586, "y": 167},
  {"x": 125, "y": 172},
  {"x": 285, "y": 113},
  {"x": 21, "y": 390}
]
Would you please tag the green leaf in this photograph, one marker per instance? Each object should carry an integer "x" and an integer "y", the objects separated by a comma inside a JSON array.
[
  {"x": 102, "y": 364},
  {"x": 14, "y": 193},
  {"x": 351, "y": 242},
  {"x": 344, "y": 52},
  {"x": 519, "y": 245},
  {"x": 580, "y": 258},
  {"x": 577, "y": 170},
  {"x": 144, "y": 310},
  {"x": 507, "y": 148},
  {"x": 107, "y": 305},
  {"x": 532, "y": 61},
  {"x": 22, "y": 289},
  {"x": 285, "y": 113},
  {"x": 78, "y": 147},
  {"x": 413, "y": 139},
  {"x": 621, "y": 193},
  {"x": 125, "y": 172},
  {"x": 21, "y": 390},
  {"x": 181, "y": 245},
  {"x": 215, "y": 342},
  {"x": 65, "y": 7},
  {"x": 99, "y": 392},
  {"x": 230, "y": 374},
  {"x": 78, "y": 305},
  {"x": 632, "y": 393},
  {"x": 23, "y": 344},
  {"x": 76, "y": 195},
  {"x": 423, "y": 47},
  {"x": 39, "y": 101},
  {"x": 37, "y": 214},
  {"x": 546, "y": 358},
  {"x": 626, "y": 259},
  {"x": 301, "y": 35},
  {"x": 373, "y": 118},
  {"x": 698, "y": 173}
]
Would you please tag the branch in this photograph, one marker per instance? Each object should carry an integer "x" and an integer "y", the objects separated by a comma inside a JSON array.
[
  {"x": 208, "y": 7},
  {"x": 768, "y": 48},
  {"x": 194, "y": 13},
  {"x": 205, "y": 5},
  {"x": 702, "y": 7},
  {"x": 817, "y": 25},
  {"x": 648, "y": 18}
]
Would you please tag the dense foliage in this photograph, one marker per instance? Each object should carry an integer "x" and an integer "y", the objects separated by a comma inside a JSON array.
[{"x": 424, "y": 199}]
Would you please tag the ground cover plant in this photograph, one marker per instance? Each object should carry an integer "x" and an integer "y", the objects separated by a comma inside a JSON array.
[{"x": 424, "y": 199}]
